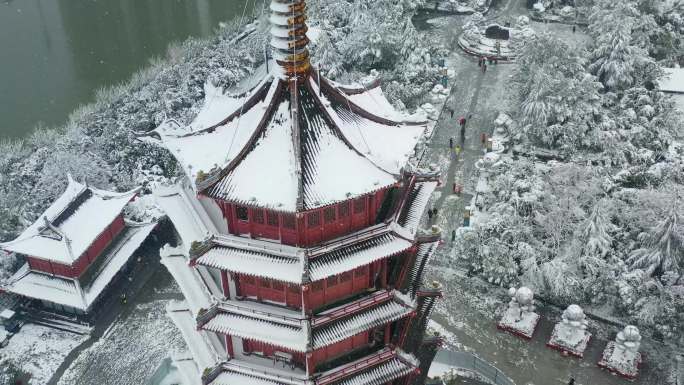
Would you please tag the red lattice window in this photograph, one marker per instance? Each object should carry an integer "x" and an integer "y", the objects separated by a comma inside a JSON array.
[
  {"x": 248, "y": 279},
  {"x": 314, "y": 219},
  {"x": 272, "y": 218},
  {"x": 332, "y": 280},
  {"x": 344, "y": 209},
  {"x": 242, "y": 213},
  {"x": 359, "y": 205},
  {"x": 258, "y": 216},
  {"x": 329, "y": 214},
  {"x": 289, "y": 221}
]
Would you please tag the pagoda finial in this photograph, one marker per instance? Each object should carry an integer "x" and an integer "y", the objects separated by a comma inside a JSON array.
[{"x": 288, "y": 36}]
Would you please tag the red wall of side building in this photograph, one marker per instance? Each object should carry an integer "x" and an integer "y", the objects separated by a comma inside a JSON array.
[
  {"x": 81, "y": 264},
  {"x": 307, "y": 228}
]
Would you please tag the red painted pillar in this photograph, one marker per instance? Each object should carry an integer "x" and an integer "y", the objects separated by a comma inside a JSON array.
[
  {"x": 407, "y": 326},
  {"x": 224, "y": 284},
  {"x": 387, "y": 334},
  {"x": 383, "y": 273},
  {"x": 310, "y": 363},
  {"x": 306, "y": 300},
  {"x": 229, "y": 346}
]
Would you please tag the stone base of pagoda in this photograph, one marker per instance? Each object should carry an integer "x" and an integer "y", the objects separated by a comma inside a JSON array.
[
  {"x": 626, "y": 367},
  {"x": 523, "y": 327},
  {"x": 574, "y": 347}
]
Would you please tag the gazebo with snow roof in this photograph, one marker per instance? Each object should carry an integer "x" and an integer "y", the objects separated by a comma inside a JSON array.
[
  {"x": 76, "y": 248},
  {"x": 299, "y": 221}
]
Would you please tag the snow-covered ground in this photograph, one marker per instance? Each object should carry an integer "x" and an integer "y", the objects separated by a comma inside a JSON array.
[
  {"x": 129, "y": 352},
  {"x": 39, "y": 350}
]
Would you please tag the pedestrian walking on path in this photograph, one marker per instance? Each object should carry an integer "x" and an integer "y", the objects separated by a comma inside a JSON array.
[
  {"x": 462, "y": 132},
  {"x": 451, "y": 142},
  {"x": 430, "y": 215},
  {"x": 484, "y": 67},
  {"x": 573, "y": 28},
  {"x": 457, "y": 150},
  {"x": 462, "y": 121},
  {"x": 451, "y": 111},
  {"x": 479, "y": 61},
  {"x": 572, "y": 381}
]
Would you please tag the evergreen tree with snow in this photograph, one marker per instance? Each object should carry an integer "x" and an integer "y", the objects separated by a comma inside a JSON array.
[{"x": 662, "y": 248}]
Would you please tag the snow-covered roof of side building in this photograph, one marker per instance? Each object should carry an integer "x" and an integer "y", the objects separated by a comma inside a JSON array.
[
  {"x": 71, "y": 224},
  {"x": 673, "y": 80},
  {"x": 289, "y": 148},
  {"x": 64, "y": 291}
]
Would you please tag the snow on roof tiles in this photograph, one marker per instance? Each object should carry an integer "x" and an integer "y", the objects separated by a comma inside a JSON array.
[
  {"x": 340, "y": 259},
  {"x": 64, "y": 291},
  {"x": 235, "y": 378},
  {"x": 191, "y": 285},
  {"x": 293, "y": 336},
  {"x": 360, "y": 322},
  {"x": 288, "y": 337},
  {"x": 416, "y": 203},
  {"x": 76, "y": 219},
  {"x": 381, "y": 374},
  {"x": 253, "y": 263},
  {"x": 357, "y": 255},
  {"x": 673, "y": 80},
  {"x": 388, "y": 145},
  {"x": 199, "y": 148},
  {"x": 266, "y": 176},
  {"x": 203, "y": 353},
  {"x": 331, "y": 171}
]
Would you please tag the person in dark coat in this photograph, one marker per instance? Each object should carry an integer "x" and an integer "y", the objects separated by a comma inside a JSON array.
[
  {"x": 572, "y": 381},
  {"x": 573, "y": 28},
  {"x": 484, "y": 67},
  {"x": 479, "y": 61},
  {"x": 451, "y": 142}
]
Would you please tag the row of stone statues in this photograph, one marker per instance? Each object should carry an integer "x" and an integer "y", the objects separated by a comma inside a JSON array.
[{"x": 570, "y": 335}]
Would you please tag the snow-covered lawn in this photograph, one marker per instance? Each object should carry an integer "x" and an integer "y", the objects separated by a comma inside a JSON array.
[
  {"x": 129, "y": 352},
  {"x": 39, "y": 350}
]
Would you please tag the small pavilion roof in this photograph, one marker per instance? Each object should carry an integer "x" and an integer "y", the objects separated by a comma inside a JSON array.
[
  {"x": 284, "y": 146},
  {"x": 64, "y": 291},
  {"x": 71, "y": 224}
]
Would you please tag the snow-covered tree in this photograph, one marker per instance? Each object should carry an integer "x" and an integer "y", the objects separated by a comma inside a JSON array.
[
  {"x": 596, "y": 233},
  {"x": 662, "y": 248}
]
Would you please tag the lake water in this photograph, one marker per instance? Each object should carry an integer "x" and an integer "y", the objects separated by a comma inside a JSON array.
[{"x": 54, "y": 54}]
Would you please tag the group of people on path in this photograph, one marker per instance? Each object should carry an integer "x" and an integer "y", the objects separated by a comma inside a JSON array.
[{"x": 482, "y": 62}]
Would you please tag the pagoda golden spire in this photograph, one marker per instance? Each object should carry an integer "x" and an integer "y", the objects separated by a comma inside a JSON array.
[{"x": 288, "y": 36}]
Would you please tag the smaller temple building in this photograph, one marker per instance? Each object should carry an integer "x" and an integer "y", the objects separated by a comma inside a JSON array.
[{"x": 76, "y": 248}]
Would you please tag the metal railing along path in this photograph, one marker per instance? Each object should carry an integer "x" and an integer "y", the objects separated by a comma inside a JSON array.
[{"x": 471, "y": 362}]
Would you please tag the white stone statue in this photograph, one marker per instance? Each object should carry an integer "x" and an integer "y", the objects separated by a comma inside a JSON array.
[
  {"x": 570, "y": 335},
  {"x": 622, "y": 356},
  {"x": 520, "y": 317}
]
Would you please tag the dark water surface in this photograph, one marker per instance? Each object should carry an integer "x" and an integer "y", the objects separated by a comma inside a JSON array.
[{"x": 54, "y": 54}]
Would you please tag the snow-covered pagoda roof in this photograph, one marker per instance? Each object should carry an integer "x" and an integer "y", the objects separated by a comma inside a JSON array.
[
  {"x": 286, "y": 263},
  {"x": 293, "y": 145},
  {"x": 70, "y": 225},
  {"x": 336, "y": 324}
]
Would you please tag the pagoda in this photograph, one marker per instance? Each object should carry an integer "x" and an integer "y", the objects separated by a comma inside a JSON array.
[
  {"x": 300, "y": 255},
  {"x": 76, "y": 249}
]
